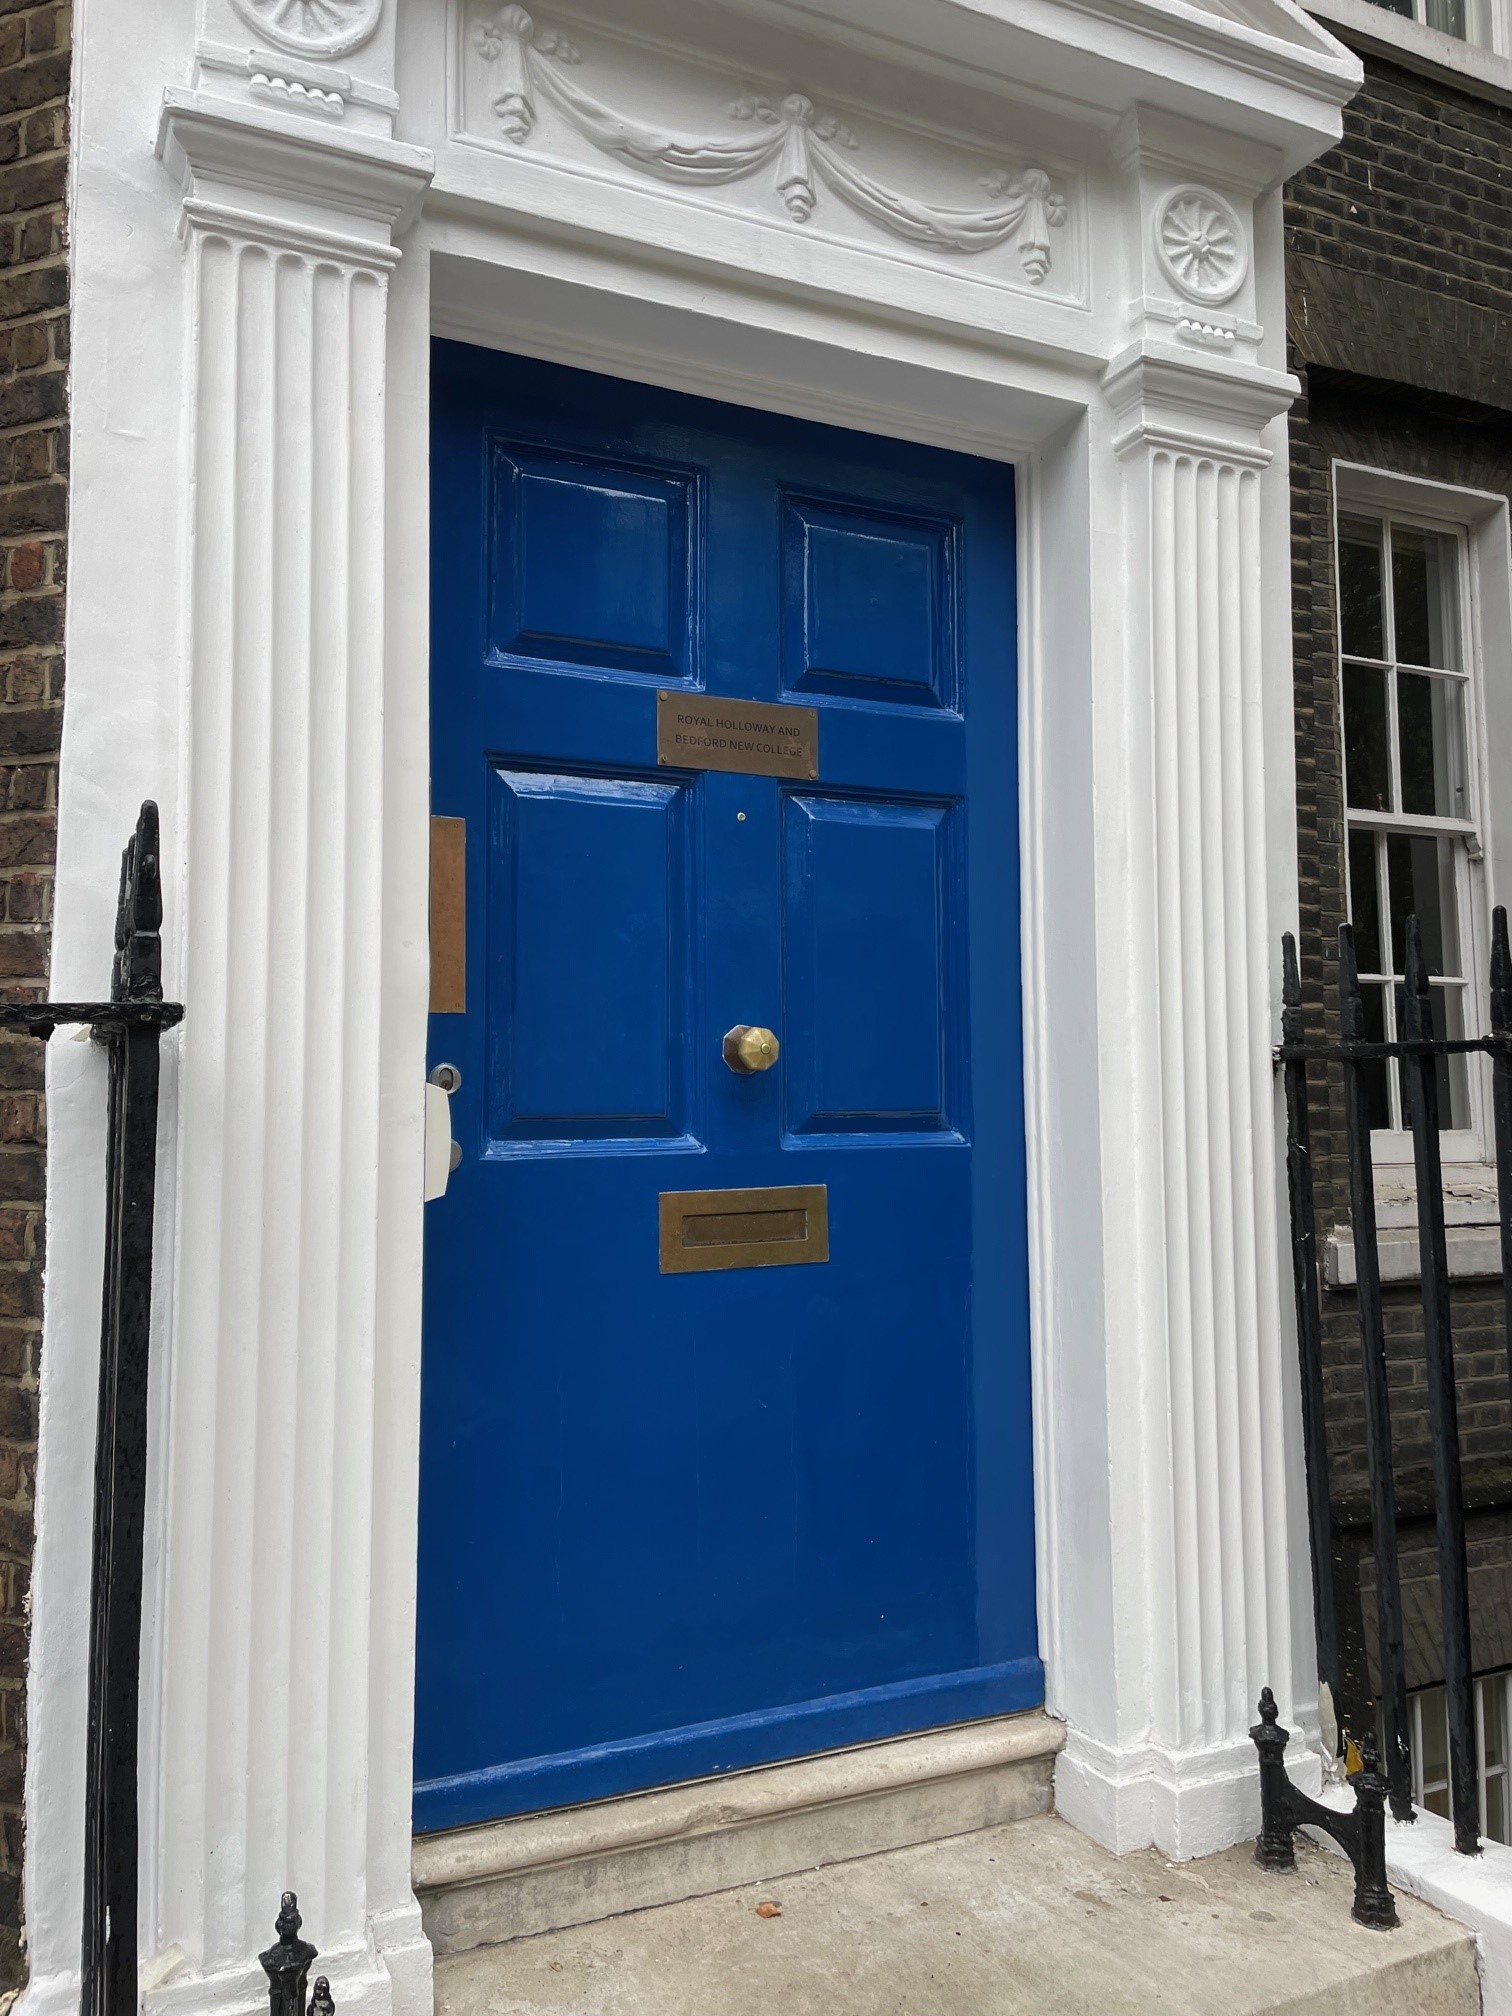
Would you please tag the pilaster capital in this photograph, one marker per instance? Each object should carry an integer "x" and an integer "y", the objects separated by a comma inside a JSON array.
[
  {"x": 257, "y": 173},
  {"x": 1165, "y": 396}
]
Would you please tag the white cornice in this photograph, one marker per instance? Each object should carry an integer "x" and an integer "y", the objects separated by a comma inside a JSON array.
[
  {"x": 1281, "y": 84},
  {"x": 234, "y": 161},
  {"x": 1147, "y": 138}
]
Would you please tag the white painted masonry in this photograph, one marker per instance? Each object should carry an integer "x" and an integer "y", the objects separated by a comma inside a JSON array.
[{"x": 1056, "y": 242}]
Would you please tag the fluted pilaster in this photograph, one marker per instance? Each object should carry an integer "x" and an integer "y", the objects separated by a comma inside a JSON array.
[
  {"x": 1211, "y": 961},
  {"x": 1197, "y": 1389},
  {"x": 266, "y": 1773}
]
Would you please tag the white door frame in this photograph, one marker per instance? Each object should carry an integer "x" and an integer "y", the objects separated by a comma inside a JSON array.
[{"x": 247, "y": 638}]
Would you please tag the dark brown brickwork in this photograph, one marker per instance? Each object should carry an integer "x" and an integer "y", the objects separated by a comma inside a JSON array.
[
  {"x": 1399, "y": 299},
  {"x": 1418, "y": 192},
  {"x": 34, "y": 329},
  {"x": 1348, "y": 420}
]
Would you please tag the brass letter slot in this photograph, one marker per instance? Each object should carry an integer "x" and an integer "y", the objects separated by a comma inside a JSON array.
[{"x": 706, "y": 1231}]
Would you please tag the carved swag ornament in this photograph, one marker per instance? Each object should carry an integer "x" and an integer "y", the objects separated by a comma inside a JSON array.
[{"x": 807, "y": 149}]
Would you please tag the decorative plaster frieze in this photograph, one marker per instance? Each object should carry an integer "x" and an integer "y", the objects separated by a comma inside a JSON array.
[
  {"x": 233, "y": 73},
  {"x": 312, "y": 27},
  {"x": 1211, "y": 335},
  {"x": 1201, "y": 245},
  {"x": 276, "y": 89},
  {"x": 807, "y": 150}
]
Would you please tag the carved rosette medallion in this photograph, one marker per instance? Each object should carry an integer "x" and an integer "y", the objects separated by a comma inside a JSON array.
[
  {"x": 311, "y": 27},
  {"x": 808, "y": 153},
  {"x": 1201, "y": 246}
]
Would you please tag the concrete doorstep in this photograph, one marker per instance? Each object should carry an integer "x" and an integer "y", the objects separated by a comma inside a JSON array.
[
  {"x": 1028, "y": 1919},
  {"x": 542, "y": 1872}
]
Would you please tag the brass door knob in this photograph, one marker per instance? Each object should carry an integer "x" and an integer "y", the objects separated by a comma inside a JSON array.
[{"x": 748, "y": 1049}]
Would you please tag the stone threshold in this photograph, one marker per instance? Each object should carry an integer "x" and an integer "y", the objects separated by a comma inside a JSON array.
[{"x": 541, "y": 1872}]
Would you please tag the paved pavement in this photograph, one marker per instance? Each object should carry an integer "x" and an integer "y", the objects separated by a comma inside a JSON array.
[{"x": 1030, "y": 1919}]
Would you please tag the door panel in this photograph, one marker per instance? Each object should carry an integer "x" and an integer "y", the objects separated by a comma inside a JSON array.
[
  {"x": 871, "y": 1005},
  {"x": 630, "y": 609},
  {"x": 867, "y": 604},
  {"x": 611, "y": 853},
  {"x": 677, "y": 1523}
]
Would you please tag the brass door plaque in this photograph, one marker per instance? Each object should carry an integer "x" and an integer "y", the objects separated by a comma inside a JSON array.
[
  {"x": 707, "y": 1231},
  {"x": 696, "y": 731}
]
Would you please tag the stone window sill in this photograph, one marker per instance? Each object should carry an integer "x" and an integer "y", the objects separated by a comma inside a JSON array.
[
  {"x": 1471, "y": 1230},
  {"x": 1474, "y": 1255}
]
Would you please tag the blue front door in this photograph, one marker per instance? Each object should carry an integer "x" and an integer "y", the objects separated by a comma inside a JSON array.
[{"x": 673, "y": 1523}]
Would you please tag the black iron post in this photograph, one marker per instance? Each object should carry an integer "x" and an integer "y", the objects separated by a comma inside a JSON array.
[
  {"x": 1299, "y": 1178},
  {"x": 287, "y": 1963},
  {"x": 1361, "y": 1834},
  {"x": 1374, "y": 1904},
  {"x": 129, "y": 1025},
  {"x": 1273, "y": 1844},
  {"x": 115, "y": 1623},
  {"x": 1383, "y": 1516},
  {"x": 1420, "y": 1068}
]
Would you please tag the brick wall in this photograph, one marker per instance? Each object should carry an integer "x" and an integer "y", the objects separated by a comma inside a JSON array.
[
  {"x": 1418, "y": 191},
  {"x": 1399, "y": 242},
  {"x": 1349, "y": 420},
  {"x": 34, "y": 77},
  {"x": 1399, "y": 317}
]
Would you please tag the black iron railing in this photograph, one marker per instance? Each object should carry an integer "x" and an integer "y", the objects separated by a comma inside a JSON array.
[
  {"x": 1417, "y": 1054},
  {"x": 130, "y": 1025}
]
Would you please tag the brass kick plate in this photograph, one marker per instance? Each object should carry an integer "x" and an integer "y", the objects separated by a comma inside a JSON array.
[
  {"x": 696, "y": 731},
  {"x": 707, "y": 1231}
]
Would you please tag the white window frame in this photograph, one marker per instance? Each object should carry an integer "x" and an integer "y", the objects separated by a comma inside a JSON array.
[
  {"x": 1421, "y": 1786},
  {"x": 1485, "y": 24},
  {"x": 1481, "y": 62},
  {"x": 1478, "y": 521}
]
